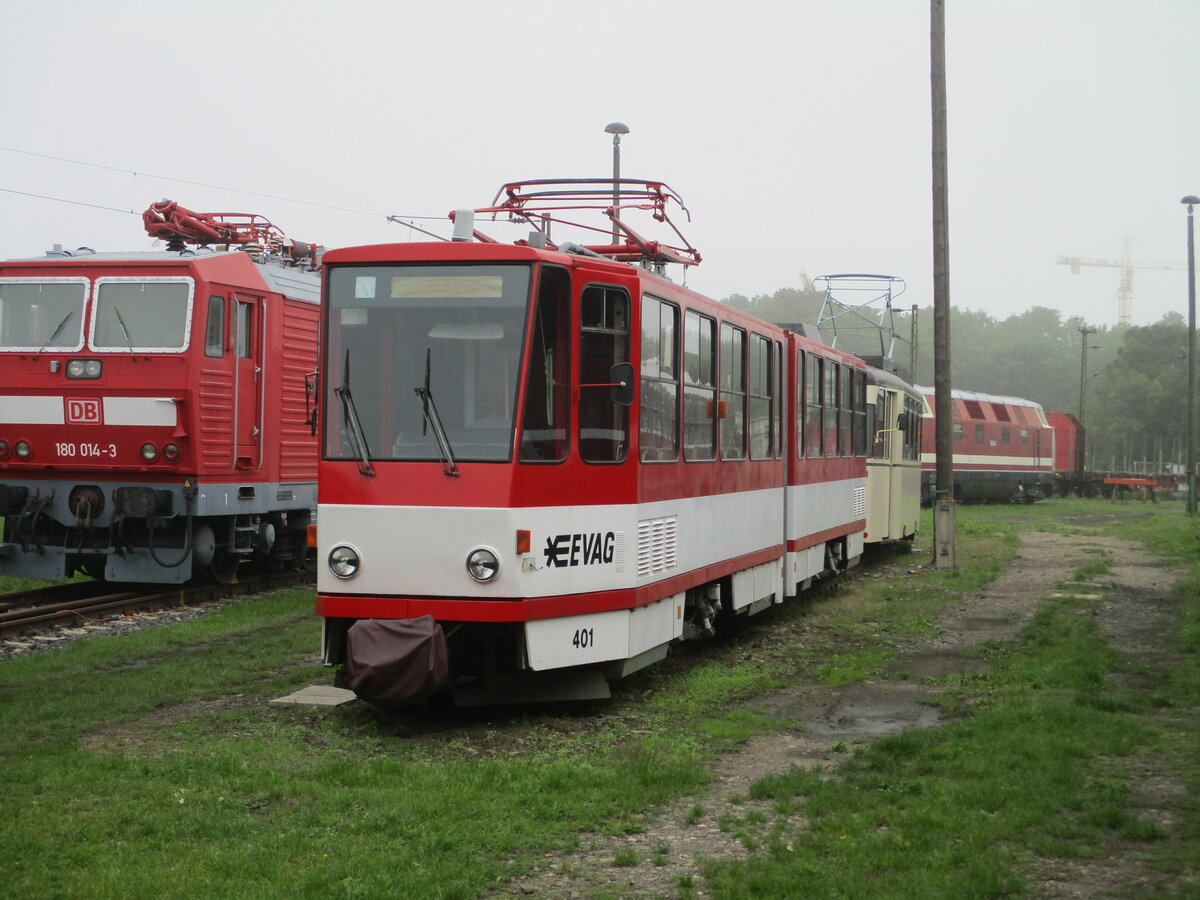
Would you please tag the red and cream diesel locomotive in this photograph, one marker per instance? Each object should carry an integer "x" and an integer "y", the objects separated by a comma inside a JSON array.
[
  {"x": 542, "y": 463},
  {"x": 153, "y": 404},
  {"x": 1004, "y": 448}
]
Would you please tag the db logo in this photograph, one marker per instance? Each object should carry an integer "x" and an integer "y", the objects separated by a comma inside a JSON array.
[{"x": 83, "y": 412}]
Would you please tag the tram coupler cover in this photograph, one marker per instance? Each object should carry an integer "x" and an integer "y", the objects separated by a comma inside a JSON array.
[{"x": 396, "y": 662}]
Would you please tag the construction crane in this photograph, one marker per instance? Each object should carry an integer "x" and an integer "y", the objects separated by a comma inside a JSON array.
[{"x": 1125, "y": 291}]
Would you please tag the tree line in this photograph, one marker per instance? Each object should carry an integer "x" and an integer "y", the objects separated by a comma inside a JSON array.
[{"x": 1134, "y": 387}]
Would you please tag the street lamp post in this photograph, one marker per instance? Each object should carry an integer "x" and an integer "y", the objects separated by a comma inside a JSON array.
[
  {"x": 616, "y": 129},
  {"x": 1190, "y": 201}
]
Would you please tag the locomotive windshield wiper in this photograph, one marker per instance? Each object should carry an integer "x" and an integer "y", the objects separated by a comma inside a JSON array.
[
  {"x": 432, "y": 419},
  {"x": 50, "y": 340},
  {"x": 124, "y": 330},
  {"x": 352, "y": 424}
]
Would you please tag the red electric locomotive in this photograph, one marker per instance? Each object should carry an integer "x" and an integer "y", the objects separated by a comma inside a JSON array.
[
  {"x": 153, "y": 404},
  {"x": 542, "y": 463},
  {"x": 1003, "y": 448}
]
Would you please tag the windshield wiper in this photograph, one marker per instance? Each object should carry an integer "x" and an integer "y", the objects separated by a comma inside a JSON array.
[
  {"x": 124, "y": 330},
  {"x": 432, "y": 419},
  {"x": 353, "y": 426},
  {"x": 50, "y": 340}
]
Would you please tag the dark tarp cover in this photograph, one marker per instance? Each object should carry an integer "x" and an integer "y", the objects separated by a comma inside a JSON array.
[{"x": 396, "y": 662}]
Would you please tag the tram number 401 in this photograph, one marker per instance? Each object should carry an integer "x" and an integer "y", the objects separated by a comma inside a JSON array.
[{"x": 584, "y": 638}]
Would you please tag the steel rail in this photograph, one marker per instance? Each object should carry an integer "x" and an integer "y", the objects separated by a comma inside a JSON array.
[{"x": 35, "y": 611}]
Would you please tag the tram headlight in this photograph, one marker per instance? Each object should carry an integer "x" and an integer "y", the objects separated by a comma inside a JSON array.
[
  {"x": 23, "y": 450},
  {"x": 483, "y": 565},
  {"x": 344, "y": 561}
]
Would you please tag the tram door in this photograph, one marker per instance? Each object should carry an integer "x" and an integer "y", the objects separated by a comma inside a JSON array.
[{"x": 248, "y": 378}]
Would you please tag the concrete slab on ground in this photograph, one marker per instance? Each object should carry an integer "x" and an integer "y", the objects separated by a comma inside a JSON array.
[{"x": 316, "y": 695}]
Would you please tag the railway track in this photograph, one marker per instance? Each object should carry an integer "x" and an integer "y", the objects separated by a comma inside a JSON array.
[{"x": 75, "y": 603}]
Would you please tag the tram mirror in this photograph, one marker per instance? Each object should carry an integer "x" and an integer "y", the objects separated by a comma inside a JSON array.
[
  {"x": 621, "y": 390},
  {"x": 471, "y": 332},
  {"x": 902, "y": 422}
]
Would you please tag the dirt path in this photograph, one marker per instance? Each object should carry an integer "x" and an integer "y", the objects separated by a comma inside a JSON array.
[{"x": 1137, "y": 616}]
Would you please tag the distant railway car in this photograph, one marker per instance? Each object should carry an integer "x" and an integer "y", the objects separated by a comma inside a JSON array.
[
  {"x": 1068, "y": 442},
  {"x": 1003, "y": 448},
  {"x": 542, "y": 464},
  {"x": 894, "y": 409},
  {"x": 153, "y": 404}
]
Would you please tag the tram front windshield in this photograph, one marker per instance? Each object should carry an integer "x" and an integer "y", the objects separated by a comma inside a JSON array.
[{"x": 408, "y": 345}]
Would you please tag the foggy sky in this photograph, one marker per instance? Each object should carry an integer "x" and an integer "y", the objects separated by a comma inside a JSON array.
[{"x": 797, "y": 131}]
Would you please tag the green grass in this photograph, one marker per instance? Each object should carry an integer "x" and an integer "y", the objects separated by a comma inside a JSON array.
[
  {"x": 150, "y": 764},
  {"x": 949, "y": 812},
  {"x": 1039, "y": 766}
]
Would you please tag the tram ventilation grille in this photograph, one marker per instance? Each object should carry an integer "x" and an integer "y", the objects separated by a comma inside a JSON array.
[
  {"x": 860, "y": 503},
  {"x": 656, "y": 545}
]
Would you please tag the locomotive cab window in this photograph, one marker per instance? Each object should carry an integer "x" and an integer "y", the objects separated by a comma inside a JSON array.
[
  {"x": 245, "y": 329},
  {"x": 603, "y": 343},
  {"x": 143, "y": 315},
  {"x": 42, "y": 314},
  {"x": 214, "y": 330}
]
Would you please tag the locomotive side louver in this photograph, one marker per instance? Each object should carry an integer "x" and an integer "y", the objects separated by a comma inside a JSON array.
[{"x": 656, "y": 545}]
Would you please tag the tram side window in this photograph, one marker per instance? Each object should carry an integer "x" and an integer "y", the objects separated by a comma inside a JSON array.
[
  {"x": 880, "y": 414},
  {"x": 761, "y": 384},
  {"x": 798, "y": 438},
  {"x": 214, "y": 329},
  {"x": 603, "y": 342},
  {"x": 845, "y": 412},
  {"x": 658, "y": 436},
  {"x": 700, "y": 388},
  {"x": 832, "y": 370},
  {"x": 813, "y": 385},
  {"x": 733, "y": 392},
  {"x": 780, "y": 401},
  {"x": 548, "y": 382},
  {"x": 912, "y": 436},
  {"x": 859, "y": 403}
]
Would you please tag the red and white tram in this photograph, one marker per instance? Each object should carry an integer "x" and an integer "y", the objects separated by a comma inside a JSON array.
[
  {"x": 547, "y": 462},
  {"x": 152, "y": 404}
]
